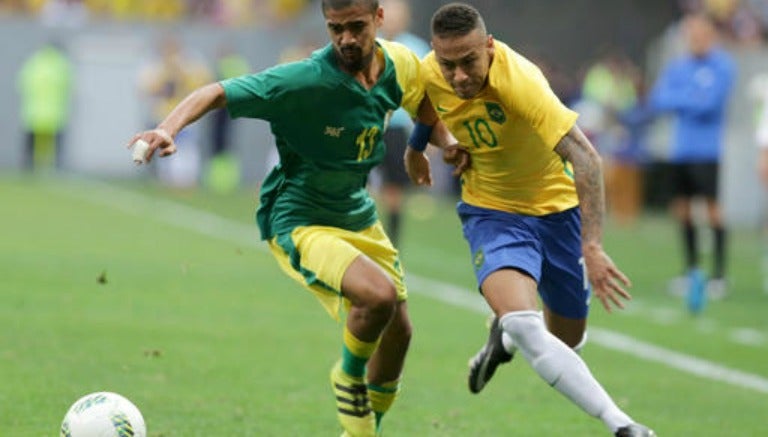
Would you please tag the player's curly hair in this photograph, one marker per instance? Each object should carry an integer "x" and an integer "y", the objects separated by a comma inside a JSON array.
[
  {"x": 334, "y": 5},
  {"x": 456, "y": 19}
]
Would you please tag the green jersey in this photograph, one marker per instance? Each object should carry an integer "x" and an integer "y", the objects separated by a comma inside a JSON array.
[{"x": 328, "y": 130}]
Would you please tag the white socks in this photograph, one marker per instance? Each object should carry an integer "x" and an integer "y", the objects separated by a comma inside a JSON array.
[
  {"x": 510, "y": 347},
  {"x": 560, "y": 366}
]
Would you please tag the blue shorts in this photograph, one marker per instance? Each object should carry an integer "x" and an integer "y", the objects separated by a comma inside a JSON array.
[{"x": 548, "y": 248}]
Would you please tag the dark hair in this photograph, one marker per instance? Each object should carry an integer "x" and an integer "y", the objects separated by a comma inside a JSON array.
[
  {"x": 373, "y": 5},
  {"x": 456, "y": 19}
]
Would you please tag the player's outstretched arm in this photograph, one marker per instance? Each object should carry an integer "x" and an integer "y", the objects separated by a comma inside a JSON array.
[
  {"x": 416, "y": 161},
  {"x": 194, "y": 106},
  {"x": 607, "y": 280}
]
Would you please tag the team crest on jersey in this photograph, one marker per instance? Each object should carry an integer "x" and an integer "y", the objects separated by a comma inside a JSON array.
[
  {"x": 478, "y": 259},
  {"x": 495, "y": 112}
]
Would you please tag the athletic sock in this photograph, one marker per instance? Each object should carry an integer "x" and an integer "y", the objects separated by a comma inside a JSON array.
[
  {"x": 719, "y": 234},
  {"x": 561, "y": 367},
  {"x": 690, "y": 240},
  {"x": 382, "y": 396},
  {"x": 510, "y": 347},
  {"x": 355, "y": 354}
]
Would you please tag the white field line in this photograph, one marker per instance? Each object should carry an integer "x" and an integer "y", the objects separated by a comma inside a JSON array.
[{"x": 211, "y": 225}]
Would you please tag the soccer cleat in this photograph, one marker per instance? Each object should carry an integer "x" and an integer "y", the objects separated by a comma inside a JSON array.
[
  {"x": 483, "y": 365},
  {"x": 697, "y": 296},
  {"x": 634, "y": 430},
  {"x": 352, "y": 404}
]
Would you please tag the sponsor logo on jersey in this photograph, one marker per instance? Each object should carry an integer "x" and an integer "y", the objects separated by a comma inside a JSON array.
[{"x": 333, "y": 131}]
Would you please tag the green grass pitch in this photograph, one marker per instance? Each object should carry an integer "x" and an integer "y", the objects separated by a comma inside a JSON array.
[{"x": 169, "y": 299}]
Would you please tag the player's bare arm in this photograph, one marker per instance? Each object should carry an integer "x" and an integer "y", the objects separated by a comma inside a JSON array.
[
  {"x": 607, "y": 280},
  {"x": 417, "y": 163},
  {"x": 194, "y": 106}
]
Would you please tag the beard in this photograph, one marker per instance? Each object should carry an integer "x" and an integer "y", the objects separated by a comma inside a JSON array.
[{"x": 351, "y": 58}]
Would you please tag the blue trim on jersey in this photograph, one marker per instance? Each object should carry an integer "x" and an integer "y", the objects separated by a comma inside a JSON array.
[{"x": 548, "y": 248}]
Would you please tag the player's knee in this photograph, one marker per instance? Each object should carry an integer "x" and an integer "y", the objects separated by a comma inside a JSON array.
[
  {"x": 381, "y": 297},
  {"x": 580, "y": 345},
  {"x": 526, "y": 328}
]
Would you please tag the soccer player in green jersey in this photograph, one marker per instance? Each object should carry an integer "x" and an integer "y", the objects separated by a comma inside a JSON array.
[
  {"x": 531, "y": 209},
  {"x": 327, "y": 113}
]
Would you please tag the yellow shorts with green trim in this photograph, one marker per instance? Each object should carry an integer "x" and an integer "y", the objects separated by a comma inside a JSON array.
[{"x": 318, "y": 256}]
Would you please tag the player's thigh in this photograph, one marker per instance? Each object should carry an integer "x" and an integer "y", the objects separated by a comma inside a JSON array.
[
  {"x": 682, "y": 184},
  {"x": 564, "y": 288},
  {"x": 508, "y": 290},
  {"x": 506, "y": 257},
  {"x": 319, "y": 257},
  {"x": 366, "y": 283},
  {"x": 706, "y": 179},
  {"x": 375, "y": 244}
]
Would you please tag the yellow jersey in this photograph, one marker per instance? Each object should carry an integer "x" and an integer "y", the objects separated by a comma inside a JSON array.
[{"x": 510, "y": 130}]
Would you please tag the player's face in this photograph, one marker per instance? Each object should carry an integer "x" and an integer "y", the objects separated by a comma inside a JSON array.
[
  {"x": 465, "y": 61},
  {"x": 353, "y": 34}
]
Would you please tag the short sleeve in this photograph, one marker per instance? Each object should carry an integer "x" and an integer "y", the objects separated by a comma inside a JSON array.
[
  {"x": 259, "y": 95},
  {"x": 407, "y": 66},
  {"x": 531, "y": 97}
]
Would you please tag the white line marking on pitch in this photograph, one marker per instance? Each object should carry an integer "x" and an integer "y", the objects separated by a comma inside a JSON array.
[{"x": 220, "y": 228}]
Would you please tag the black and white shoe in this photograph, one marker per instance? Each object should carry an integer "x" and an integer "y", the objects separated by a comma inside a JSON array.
[
  {"x": 635, "y": 430},
  {"x": 483, "y": 365}
]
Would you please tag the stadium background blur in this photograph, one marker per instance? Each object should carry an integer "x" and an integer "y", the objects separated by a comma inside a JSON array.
[{"x": 109, "y": 42}]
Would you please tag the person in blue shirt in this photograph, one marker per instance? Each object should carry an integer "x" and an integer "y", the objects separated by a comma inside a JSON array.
[{"x": 695, "y": 89}]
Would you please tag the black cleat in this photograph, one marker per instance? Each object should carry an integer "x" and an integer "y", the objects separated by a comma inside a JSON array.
[
  {"x": 483, "y": 365},
  {"x": 635, "y": 430}
]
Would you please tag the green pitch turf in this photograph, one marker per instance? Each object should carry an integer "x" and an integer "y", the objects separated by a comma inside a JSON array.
[{"x": 169, "y": 299}]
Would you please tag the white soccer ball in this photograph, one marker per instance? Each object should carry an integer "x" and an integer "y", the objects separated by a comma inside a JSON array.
[{"x": 103, "y": 414}]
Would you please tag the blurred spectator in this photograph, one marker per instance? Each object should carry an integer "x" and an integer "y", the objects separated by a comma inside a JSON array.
[
  {"x": 564, "y": 85},
  {"x": 64, "y": 13},
  {"x": 223, "y": 173},
  {"x": 759, "y": 90},
  {"x": 44, "y": 84},
  {"x": 610, "y": 85},
  {"x": 740, "y": 22},
  {"x": 165, "y": 82},
  {"x": 625, "y": 174},
  {"x": 394, "y": 180},
  {"x": 616, "y": 125},
  {"x": 695, "y": 89}
]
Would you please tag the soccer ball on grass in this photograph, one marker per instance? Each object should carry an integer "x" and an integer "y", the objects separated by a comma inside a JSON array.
[{"x": 103, "y": 414}]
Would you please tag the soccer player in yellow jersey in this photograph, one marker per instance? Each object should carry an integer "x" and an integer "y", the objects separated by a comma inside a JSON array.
[
  {"x": 327, "y": 113},
  {"x": 531, "y": 208}
]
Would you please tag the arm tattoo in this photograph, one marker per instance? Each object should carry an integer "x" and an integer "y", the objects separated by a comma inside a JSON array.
[{"x": 588, "y": 175}]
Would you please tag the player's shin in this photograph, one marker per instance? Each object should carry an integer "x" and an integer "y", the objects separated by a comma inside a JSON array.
[{"x": 561, "y": 367}]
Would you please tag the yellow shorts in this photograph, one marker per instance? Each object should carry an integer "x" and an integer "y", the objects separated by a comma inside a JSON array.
[{"x": 318, "y": 256}]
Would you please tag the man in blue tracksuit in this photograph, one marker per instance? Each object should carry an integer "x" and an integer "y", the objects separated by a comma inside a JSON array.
[{"x": 695, "y": 89}]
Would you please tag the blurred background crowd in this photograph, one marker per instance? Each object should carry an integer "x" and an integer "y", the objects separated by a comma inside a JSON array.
[
  {"x": 88, "y": 73},
  {"x": 228, "y": 13}
]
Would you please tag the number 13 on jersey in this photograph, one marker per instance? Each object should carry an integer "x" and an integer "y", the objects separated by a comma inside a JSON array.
[{"x": 366, "y": 141}]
